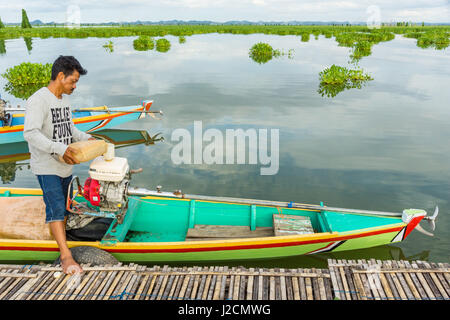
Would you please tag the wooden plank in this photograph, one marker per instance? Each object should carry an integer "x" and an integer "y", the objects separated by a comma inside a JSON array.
[
  {"x": 315, "y": 286},
  {"x": 9, "y": 284},
  {"x": 207, "y": 284},
  {"x": 390, "y": 281},
  {"x": 309, "y": 290},
  {"x": 302, "y": 286},
  {"x": 409, "y": 282},
  {"x": 186, "y": 280},
  {"x": 291, "y": 225},
  {"x": 266, "y": 285},
  {"x": 104, "y": 283},
  {"x": 163, "y": 285},
  {"x": 260, "y": 285},
  {"x": 120, "y": 292},
  {"x": 90, "y": 280},
  {"x": 223, "y": 285},
  {"x": 113, "y": 284},
  {"x": 134, "y": 282},
  {"x": 249, "y": 295},
  {"x": 155, "y": 292},
  {"x": 416, "y": 281},
  {"x": 359, "y": 287},
  {"x": 334, "y": 281},
  {"x": 242, "y": 287},
  {"x": 430, "y": 281},
  {"x": 344, "y": 281},
  {"x": 212, "y": 231},
  {"x": 202, "y": 282},
  {"x": 406, "y": 289},
  {"x": 213, "y": 284},
  {"x": 195, "y": 290},
  {"x": 272, "y": 286},
  {"x": 295, "y": 288},
  {"x": 444, "y": 282},
  {"x": 22, "y": 292},
  {"x": 187, "y": 294},
  {"x": 423, "y": 282},
  {"x": 349, "y": 279},
  {"x": 321, "y": 284},
  {"x": 283, "y": 286},
  {"x": 397, "y": 284},
  {"x": 236, "y": 283},
  {"x": 365, "y": 281},
  {"x": 437, "y": 283},
  {"x": 218, "y": 285},
  {"x": 327, "y": 283},
  {"x": 17, "y": 275},
  {"x": 231, "y": 284},
  {"x": 277, "y": 286}
]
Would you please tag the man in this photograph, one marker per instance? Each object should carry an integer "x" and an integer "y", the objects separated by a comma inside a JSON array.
[{"x": 49, "y": 130}]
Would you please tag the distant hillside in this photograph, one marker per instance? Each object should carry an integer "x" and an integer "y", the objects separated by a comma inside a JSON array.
[{"x": 207, "y": 22}]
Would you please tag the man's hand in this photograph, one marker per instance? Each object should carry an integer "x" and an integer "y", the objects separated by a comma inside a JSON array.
[
  {"x": 70, "y": 266},
  {"x": 92, "y": 138},
  {"x": 69, "y": 156}
]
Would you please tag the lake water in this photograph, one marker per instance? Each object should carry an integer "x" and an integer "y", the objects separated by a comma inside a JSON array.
[{"x": 382, "y": 147}]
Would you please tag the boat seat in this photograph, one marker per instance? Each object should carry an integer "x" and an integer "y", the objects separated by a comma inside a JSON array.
[
  {"x": 288, "y": 225},
  {"x": 220, "y": 232}
]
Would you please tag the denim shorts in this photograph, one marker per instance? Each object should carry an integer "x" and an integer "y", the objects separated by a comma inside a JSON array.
[{"x": 55, "y": 196}]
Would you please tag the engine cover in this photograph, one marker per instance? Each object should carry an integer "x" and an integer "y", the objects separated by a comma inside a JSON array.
[{"x": 114, "y": 170}]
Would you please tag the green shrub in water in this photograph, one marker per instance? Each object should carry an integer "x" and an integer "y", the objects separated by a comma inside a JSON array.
[
  {"x": 162, "y": 45},
  {"x": 143, "y": 43},
  {"x": 28, "y": 73},
  {"x": 336, "y": 79}
]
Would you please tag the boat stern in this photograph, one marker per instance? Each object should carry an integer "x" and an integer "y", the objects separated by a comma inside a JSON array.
[{"x": 412, "y": 218}]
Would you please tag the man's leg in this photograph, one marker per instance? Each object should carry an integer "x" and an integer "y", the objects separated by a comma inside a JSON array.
[{"x": 55, "y": 209}]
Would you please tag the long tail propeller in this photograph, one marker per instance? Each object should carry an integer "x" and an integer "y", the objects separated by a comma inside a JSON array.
[{"x": 430, "y": 220}]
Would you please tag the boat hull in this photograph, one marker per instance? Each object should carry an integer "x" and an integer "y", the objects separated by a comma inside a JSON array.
[
  {"x": 159, "y": 247},
  {"x": 89, "y": 121}
]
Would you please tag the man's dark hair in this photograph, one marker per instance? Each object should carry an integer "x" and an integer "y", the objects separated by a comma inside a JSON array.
[{"x": 66, "y": 64}]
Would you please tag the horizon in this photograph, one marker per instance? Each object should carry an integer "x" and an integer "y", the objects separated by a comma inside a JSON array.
[{"x": 222, "y": 11}]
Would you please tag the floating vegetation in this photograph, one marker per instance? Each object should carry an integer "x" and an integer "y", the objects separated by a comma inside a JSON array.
[
  {"x": 28, "y": 73},
  {"x": 109, "y": 46},
  {"x": 360, "y": 49},
  {"x": 181, "y": 39},
  {"x": 435, "y": 40},
  {"x": 263, "y": 52},
  {"x": 336, "y": 79},
  {"x": 162, "y": 45},
  {"x": 26, "y": 78},
  {"x": 143, "y": 43},
  {"x": 305, "y": 37}
]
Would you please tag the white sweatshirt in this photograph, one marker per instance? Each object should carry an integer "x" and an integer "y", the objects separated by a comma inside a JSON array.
[{"x": 48, "y": 129}]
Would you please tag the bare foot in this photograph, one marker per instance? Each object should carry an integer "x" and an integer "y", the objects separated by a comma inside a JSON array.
[{"x": 70, "y": 266}]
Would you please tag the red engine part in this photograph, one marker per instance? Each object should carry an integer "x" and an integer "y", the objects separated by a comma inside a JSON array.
[{"x": 91, "y": 191}]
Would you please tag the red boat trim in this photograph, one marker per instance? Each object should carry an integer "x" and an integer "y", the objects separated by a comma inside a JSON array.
[{"x": 238, "y": 247}]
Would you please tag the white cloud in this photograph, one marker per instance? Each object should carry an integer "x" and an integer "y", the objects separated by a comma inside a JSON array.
[{"x": 225, "y": 10}]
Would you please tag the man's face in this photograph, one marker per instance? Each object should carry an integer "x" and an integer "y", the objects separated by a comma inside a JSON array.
[{"x": 69, "y": 83}]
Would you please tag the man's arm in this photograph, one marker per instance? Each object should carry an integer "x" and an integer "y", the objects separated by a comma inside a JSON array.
[
  {"x": 34, "y": 120},
  {"x": 79, "y": 135}
]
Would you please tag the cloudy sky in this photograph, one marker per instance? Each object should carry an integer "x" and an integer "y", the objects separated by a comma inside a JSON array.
[{"x": 226, "y": 10}]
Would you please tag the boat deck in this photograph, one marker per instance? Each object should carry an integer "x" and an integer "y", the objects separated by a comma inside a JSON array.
[{"x": 343, "y": 280}]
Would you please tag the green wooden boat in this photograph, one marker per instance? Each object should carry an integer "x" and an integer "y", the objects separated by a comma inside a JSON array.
[{"x": 164, "y": 226}]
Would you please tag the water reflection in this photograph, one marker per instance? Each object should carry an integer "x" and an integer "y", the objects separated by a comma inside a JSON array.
[
  {"x": 2, "y": 47},
  {"x": 12, "y": 155},
  {"x": 28, "y": 43}
]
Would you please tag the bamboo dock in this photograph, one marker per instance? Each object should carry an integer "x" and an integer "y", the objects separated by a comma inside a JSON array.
[{"x": 343, "y": 280}]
